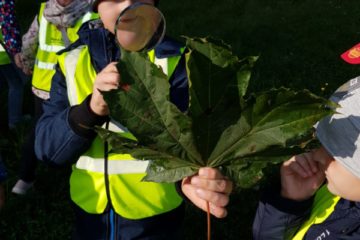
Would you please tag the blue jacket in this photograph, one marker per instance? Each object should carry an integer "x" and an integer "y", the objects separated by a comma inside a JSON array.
[
  {"x": 59, "y": 139},
  {"x": 280, "y": 218}
]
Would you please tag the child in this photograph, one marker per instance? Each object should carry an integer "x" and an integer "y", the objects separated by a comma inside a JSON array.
[
  {"x": 53, "y": 29},
  {"x": 300, "y": 210},
  {"x": 10, "y": 46},
  {"x": 110, "y": 201}
]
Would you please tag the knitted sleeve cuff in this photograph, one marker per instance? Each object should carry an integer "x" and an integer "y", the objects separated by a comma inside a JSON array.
[
  {"x": 82, "y": 119},
  {"x": 275, "y": 199}
]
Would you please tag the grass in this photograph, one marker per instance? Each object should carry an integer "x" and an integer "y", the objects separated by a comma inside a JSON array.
[{"x": 299, "y": 43}]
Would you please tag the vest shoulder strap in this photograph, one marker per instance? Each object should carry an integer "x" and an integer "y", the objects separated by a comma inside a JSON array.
[
  {"x": 324, "y": 204},
  {"x": 41, "y": 12}
]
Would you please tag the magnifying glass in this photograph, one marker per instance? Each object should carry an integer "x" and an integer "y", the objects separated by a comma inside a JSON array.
[{"x": 141, "y": 26}]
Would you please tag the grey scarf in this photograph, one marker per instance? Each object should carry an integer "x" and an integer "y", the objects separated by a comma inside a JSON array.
[{"x": 66, "y": 16}]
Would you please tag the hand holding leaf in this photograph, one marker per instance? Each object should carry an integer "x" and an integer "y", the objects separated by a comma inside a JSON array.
[{"x": 208, "y": 187}]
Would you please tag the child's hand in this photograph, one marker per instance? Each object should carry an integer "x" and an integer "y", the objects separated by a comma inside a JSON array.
[
  {"x": 208, "y": 186},
  {"x": 301, "y": 176},
  {"x": 19, "y": 62},
  {"x": 108, "y": 79}
]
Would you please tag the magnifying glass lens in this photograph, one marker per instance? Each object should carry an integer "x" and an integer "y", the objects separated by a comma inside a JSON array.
[{"x": 140, "y": 27}]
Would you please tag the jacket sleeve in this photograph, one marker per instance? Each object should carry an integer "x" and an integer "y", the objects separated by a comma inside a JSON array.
[
  {"x": 9, "y": 27},
  {"x": 30, "y": 42},
  {"x": 279, "y": 218},
  {"x": 63, "y": 133}
]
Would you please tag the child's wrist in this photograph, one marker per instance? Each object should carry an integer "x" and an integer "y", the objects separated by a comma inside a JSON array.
[{"x": 288, "y": 195}]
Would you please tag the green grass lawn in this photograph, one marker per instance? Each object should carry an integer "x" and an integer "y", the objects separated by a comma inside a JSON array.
[{"x": 299, "y": 44}]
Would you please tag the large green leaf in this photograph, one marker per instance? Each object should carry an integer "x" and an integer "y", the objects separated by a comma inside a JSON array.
[
  {"x": 221, "y": 129},
  {"x": 145, "y": 109},
  {"x": 246, "y": 171},
  {"x": 220, "y": 82},
  {"x": 274, "y": 118}
]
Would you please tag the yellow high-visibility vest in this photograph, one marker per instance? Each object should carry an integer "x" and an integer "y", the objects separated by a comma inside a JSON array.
[
  {"x": 50, "y": 42},
  {"x": 323, "y": 206},
  {"x": 130, "y": 197}
]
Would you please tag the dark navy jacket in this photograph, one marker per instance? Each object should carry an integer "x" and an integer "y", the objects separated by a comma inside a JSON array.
[
  {"x": 60, "y": 139},
  {"x": 280, "y": 218}
]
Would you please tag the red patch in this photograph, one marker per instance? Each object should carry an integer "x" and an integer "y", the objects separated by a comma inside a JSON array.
[
  {"x": 352, "y": 55},
  {"x": 125, "y": 87}
]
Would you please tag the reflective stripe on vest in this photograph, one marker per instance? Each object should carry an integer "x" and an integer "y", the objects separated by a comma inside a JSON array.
[
  {"x": 130, "y": 197},
  {"x": 50, "y": 42},
  {"x": 45, "y": 65},
  {"x": 118, "y": 166},
  {"x": 125, "y": 165},
  {"x": 323, "y": 206},
  {"x": 4, "y": 57}
]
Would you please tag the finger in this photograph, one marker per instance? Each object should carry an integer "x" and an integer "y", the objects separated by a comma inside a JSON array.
[
  {"x": 218, "y": 199},
  {"x": 322, "y": 156},
  {"x": 295, "y": 167},
  {"x": 111, "y": 67},
  {"x": 303, "y": 161},
  {"x": 210, "y": 173},
  {"x": 109, "y": 77},
  {"x": 201, "y": 198},
  {"x": 219, "y": 185},
  {"x": 219, "y": 212},
  {"x": 216, "y": 180},
  {"x": 311, "y": 160},
  {"x": 107, "y": 81}
]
